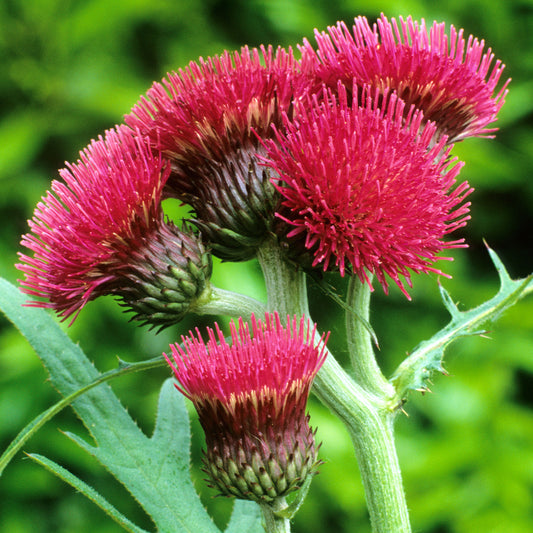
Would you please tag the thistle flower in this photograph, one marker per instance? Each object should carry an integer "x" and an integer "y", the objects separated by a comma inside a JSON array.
[
  {"x": 102, "y": 231},
  {"x": 251, "y": 398},
  {"x": 367, "y": 188},
  {"x": 206, "y": 120},
  {"x": 449, "y": 78}
]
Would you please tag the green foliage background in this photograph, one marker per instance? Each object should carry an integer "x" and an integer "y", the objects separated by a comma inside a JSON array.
[{"x": 71, "y": 69}]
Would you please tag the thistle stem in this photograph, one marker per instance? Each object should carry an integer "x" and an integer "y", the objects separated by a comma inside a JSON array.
[
  {"x": 274, "y": 522},
  {"x": 233, "y": 304},
  {"x": 380, "y": 471},
  {"x": 363, "y": 411},
  {"x": 360, "y": 347},
  {"x": 285, "y": 283}
]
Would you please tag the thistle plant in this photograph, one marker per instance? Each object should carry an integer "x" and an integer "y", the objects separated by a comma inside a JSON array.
[
  {"x": 340, "y": 160},
  {"x": 453, "y": 80}
]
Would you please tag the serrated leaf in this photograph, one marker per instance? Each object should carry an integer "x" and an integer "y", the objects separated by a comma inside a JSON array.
[
  {"x": 88, "y": 492},
  {"x": 167, "y": 456},
  {"x": 133, "y": 458},
  {"x": 27, "y": 432},
  {"x": 245, "y": 518},
  {"x": 427, "y": 357}
]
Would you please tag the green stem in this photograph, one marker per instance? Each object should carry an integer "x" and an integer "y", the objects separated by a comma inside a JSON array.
[
  {"x": 360, "y": 343},
  {"x": 285, "y": 283},
  {"x": 380, "y": 471},
  {"x": 370, "y": 424},
  {"x": 274, "y": 522},
  {"x": 222, "y": 302},
  {"x": 364, "y": 412}
]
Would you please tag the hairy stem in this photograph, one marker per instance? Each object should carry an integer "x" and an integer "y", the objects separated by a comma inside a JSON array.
[
  {"x": 366, "y": 370},
  {"x": 222, "y": 302},
  {"x": 285, "y": 283},
  {"x": 364, "y": 412},
  {"x": 274, "y": 522}
]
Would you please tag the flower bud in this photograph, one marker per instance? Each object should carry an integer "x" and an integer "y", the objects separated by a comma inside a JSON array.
[
  {"x": 207, "y": 120},
  {"x": 251, "y": 398},
  {"x": 166, "y": 278},
  {"x": 102, "y": 231},
  {"x": 452, "y": 80}
]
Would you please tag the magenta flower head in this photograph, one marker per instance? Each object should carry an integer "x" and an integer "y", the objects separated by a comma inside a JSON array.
[
  {"x": 251, "y": 398},
  {"x": 102, "y": 231},
  {"x": 452, "y": 80},
  {"x": 366, "y": 188},
  {"x": 203, "y": 119}
]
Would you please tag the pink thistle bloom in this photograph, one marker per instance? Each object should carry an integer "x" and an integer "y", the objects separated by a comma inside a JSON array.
[
  {"x": 251, "y": 398},
  {"x": 101, "y": 231},
  {"x": 449, "y": 78},
  {"x": 203, "y": 119},
  {"x": 367, "y": 187}
]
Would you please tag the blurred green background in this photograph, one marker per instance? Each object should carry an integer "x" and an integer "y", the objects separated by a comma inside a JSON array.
[{"x": 71, "y": 69}]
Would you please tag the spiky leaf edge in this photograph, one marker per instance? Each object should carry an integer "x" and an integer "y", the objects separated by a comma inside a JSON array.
[{"x": 427, "y": 358}]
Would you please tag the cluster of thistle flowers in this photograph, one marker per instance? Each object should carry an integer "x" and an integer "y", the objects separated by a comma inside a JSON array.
[{"x": 341, "y": 155}]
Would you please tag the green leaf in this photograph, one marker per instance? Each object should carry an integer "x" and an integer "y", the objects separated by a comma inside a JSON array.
[
  {"x": 39, "y": 421},
  {"x": 427, "y": 357},
  {"x": 154, "y": 470},
  {"x": 87, "y": 491},
  {"x": 169, "y": 450},
  {"x": 245, "y": 518}
]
